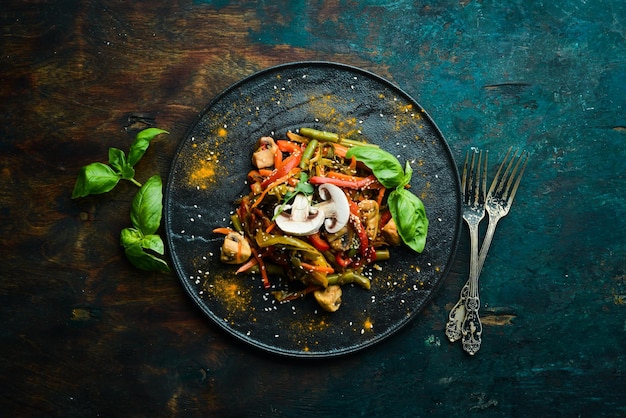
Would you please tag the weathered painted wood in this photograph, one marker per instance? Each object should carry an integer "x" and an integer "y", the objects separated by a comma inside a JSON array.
[{"x": 83, "y": 333}]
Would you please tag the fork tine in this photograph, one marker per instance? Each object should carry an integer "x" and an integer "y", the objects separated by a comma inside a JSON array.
[
  {"x": 497, "y": 180},
  {"x": 509, "y": 176},
  {"x": 484, "y": 177},
  {"x": 473, "y": 171},
  {"x": 523, "y": 155},
  {"x": 503, "y": 180},
  {"x": 475, "y": 176}
]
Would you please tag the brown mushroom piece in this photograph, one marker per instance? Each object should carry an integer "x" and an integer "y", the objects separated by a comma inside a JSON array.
[
  {"x": 369, "y": 216},
  {"x": 299, "y": 218},
  {"x": 389, "y": 232},
  {"x": 235, "y": 249},
  {"x": 340, "y": 240},
  {"x": 329, "y": 298},
  {"x": 263, "y": 157},
  {"x": 335, "y": 207}
]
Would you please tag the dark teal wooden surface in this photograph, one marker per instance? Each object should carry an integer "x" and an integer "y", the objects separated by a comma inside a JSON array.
[{"x": 84, "y": 334}]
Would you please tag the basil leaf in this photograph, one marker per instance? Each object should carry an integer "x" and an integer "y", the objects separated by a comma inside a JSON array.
[
  {"x": 130, "y": 237},
  {"x": 409, "y": 214},
  {"x": 154, "y": 243},
  {"x": 95, "y": 178},
  {"x": 145, "y": 213},
  {"x": 140, "y": 145},
  {"x": 117, "y": 159},
  {"x": 145, "y": 261},
  {"x": 385, "y": 166}
]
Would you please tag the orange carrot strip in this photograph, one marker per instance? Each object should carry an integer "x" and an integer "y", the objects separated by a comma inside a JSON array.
[
  {"x": 265, "y": 172},
  {"x": 321, "y": 269},
  {"x": 270, "y": 227},
  {"x": 247, "y": 265},
  {"x": 352, "y": 163},
  {"x": 267, "y": 189},
  {"x": 340, "y": 150},
  {"x": 223, "y": 230}
]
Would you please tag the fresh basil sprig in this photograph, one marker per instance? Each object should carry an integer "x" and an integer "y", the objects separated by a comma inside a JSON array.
[
  {"x": 141, "y": 243},
  {"x": 385, "y": 166},
  {"x": 144, "y": 248},
  {"x": 407, "y": 210},
  {"x": 97, "y": 178}
]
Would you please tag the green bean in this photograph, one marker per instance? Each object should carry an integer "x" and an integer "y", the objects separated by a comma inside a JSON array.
[
  {"x": 382, "y": 254},
  {"x": 236, "y": 223},
  {"x": 319, "y": 135},
  {"x": 332, "y": 137},
  {"x": 308, "y": 153},
  {"x": 349, "y": 277}
]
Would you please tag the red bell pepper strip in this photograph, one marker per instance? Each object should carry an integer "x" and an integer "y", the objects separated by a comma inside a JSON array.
[
  {"x": 385, "y": 217},
  {"x": 262, "y": 268},
  {"x": 369, "y": 182},
  {"x": 288, "y": 146},
  {"x": 278, "y": 157},
  {"x": 319, "y": 242},
  {"x": 342, "y": 259},
  {"x": 288, "y": 164}
]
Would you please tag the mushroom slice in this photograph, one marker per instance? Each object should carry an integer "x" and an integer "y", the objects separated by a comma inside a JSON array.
[
  {"x": 235, "y": 249},
  {"x": 390, "y": 234},
  {"x": 329, "y": 298},
  {"x": 263, "y": 157},
  {"x": 369, "y": 216},
  {"x": 335, "y": 206},
  {"x": 302, "y": 219}
]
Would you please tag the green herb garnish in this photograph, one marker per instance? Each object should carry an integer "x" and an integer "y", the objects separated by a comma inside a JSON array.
[
  {"x": 143, "y": 247},
  {"x": 303, "y": 187},
  {"x": 407, "y": 210}
]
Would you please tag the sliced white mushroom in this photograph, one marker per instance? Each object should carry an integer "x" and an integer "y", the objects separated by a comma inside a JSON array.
[
  {"x": 335, "y": 207},
  {"x": 299, "y": 218}
]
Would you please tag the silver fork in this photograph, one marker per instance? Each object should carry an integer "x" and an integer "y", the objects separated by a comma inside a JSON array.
[
  {"x": 474, "y": 185},
  {"x": 498, "y": 203}
]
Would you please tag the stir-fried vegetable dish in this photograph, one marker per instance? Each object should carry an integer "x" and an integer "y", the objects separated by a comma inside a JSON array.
[{"x": 320, "y": 210}]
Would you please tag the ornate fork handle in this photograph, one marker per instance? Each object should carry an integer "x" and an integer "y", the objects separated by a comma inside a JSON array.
[
  {"x": 457, "y": 315},
  {"x": 474, "y": 184},
  {"x": 471, "y": 328},
  {"x": 458, "y": 312}
]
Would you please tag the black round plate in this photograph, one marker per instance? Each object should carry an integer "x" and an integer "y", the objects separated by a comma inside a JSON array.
[{"x": 208, "y": 175}]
